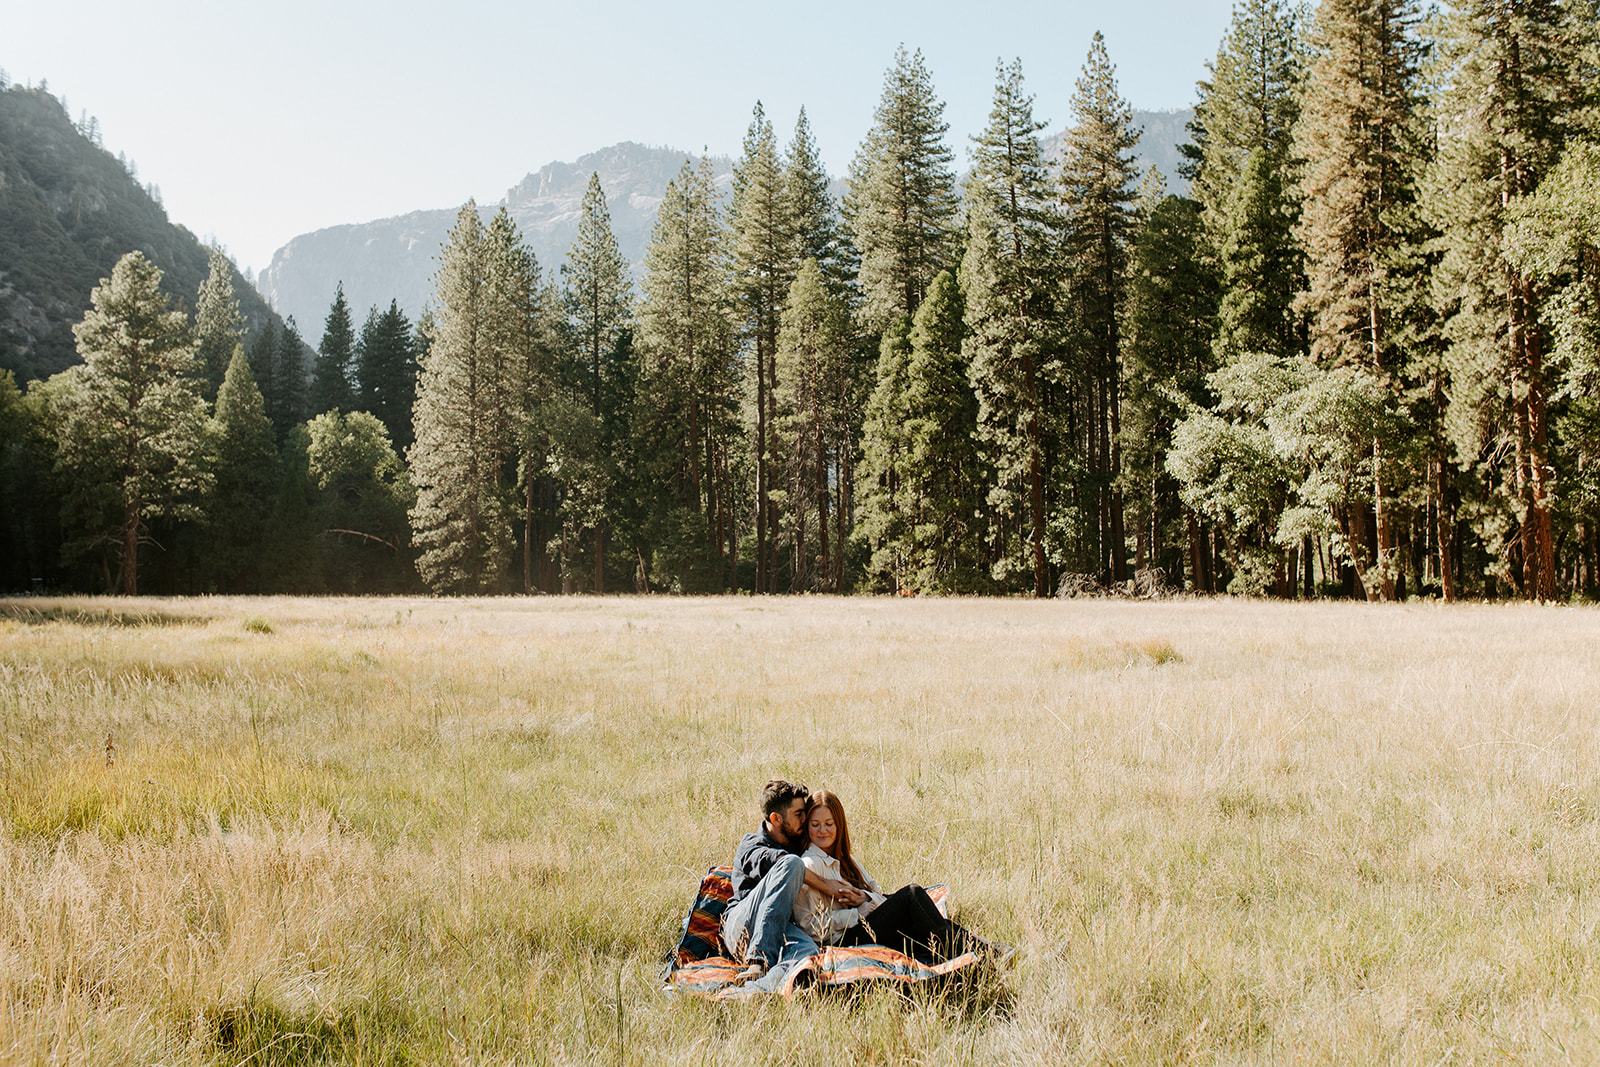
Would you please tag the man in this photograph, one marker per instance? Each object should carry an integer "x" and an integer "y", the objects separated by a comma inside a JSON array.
[{"x": 758, "y": 926}]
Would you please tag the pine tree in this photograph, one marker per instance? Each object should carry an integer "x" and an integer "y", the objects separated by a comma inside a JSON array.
[
  {"x": 902, "y": 206},
  {"x": 264, "y": 367},
  {"x": 330, "y": 375},
  {"x": 133, "y": 428},
  {"x": 244, "y": 460},
  {"x": 1012, "y": 282},
  {"x": 1098, "y": 180},
  {"x": 947, "y": 481},
  {"x": 1244, "y": 183},
  {"x": 1260, "y": 266},
  {"x": 599, "y": 298},
  {"x": 1249, "y": 104},
  {"x": 686, "y": 407},
  {"x": 291, "y": 557},
  {"x": 1358, "y": 137},
  {"x": 886, "y": 471},
  {"x": 1172, "y": 312},
  {"x": 813, "y": 213},
  {"x": 461, "y": 519},
  {"x": 813, "y": 391},
  {"x": 386, "y": 367},
  {"x": 1510, "y": 95},
  {"x": 764, "y": 242},
  {"x": 1555, "y": 239},
  {"x": 286, "y": 404},
  {"x": 218, "y": 326},
  {"x": 509, "y": 334},
  {"x": 599, "y": 308}
]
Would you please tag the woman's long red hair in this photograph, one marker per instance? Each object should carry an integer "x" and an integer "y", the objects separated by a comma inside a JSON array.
[{"x": 841, "y": 843}]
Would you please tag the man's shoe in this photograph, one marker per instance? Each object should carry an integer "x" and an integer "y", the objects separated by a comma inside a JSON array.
[{"x": 755, "y": 970}]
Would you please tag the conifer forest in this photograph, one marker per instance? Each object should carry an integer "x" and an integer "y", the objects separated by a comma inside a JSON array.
[{"x": 1359, "y": 357}]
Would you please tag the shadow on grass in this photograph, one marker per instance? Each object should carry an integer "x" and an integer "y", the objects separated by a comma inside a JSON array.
[
  {"x": 262, "y": 1032},
  {"x": 35, "y": 614}
]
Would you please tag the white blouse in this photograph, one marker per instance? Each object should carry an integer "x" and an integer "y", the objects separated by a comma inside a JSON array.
[{"x": 816, "y": 912}]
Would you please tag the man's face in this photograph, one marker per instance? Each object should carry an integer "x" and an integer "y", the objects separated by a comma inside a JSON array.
[{"x": 788, "y": 825}]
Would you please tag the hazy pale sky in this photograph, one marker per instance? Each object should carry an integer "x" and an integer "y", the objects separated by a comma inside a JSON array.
[{"x": 263, "y": 121}]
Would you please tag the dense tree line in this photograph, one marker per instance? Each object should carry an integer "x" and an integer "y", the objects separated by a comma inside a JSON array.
[{"x": 1359, "y": 358}]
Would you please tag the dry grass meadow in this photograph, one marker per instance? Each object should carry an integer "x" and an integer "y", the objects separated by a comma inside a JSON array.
[{"x": 436, "y": 831}]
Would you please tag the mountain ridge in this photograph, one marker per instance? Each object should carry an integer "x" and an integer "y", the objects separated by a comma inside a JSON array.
[
  {"x": 395, "y": 257},
  {"x": 68, "y": 211}
]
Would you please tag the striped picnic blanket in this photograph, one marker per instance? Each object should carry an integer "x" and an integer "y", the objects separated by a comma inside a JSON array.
[{"x": 701, "y": 966}]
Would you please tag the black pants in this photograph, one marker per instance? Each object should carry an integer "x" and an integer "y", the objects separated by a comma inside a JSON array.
[{"x": 910, "y": 922}]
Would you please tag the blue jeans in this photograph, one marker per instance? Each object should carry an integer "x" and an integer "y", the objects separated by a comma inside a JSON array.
[{"x": 766, "y": 914}]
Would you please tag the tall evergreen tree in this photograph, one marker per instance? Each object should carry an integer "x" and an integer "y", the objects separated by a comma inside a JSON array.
[
  {"x": 287, "y": 402},
  {"x": 264, "y": 367},
  {"x": 948, "y": 482},
  {"x": 764, "y": 242},
  {"x": 599, "y": 308},
  {"x": 386, "y": 367},
  {"x": 218, "y": 326},
  {"x": 1510, "y": 95},
  {"x": 238, "y": 505},
  {"x": 887, "y": 470},
  {"x": 1248, "y": 104},
  {"x": 330, "y": 374},
  {"x": 466, "y": 408},
  {"x": 510, "y": 340},
  {"x": 1260, "y": 265},
  {"x": 814, "y": 392},
  {"x": 131, "y": 431},
  {"x": 686, "y": 407},
  {"x": 1242, "y": 167},
  {"x": 813, "y": 213},
  {"x": 902, "y": 206},
  {"x": 1555, "y": 239},
  {"x": 1358, "y": 138},
  {"x": 1172, "y": 312},
  {"x": 1011, "y": 276},
  {"x": 1098, "y": 190},
  {"x": 599, "y": 296}
]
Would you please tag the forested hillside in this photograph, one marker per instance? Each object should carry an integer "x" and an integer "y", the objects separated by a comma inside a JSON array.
[
  {"x": 68, "y": 211},
  {"x": 1356, "y": 355}
]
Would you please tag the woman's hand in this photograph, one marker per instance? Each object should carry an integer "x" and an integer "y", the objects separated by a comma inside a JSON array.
[{"x": 845, "y": 894}]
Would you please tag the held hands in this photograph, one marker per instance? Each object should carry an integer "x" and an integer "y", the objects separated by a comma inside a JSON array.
[{"x": 846, "y": 894}]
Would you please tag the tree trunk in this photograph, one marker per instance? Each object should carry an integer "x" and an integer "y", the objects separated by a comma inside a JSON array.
[
  {"x": 761, "y": 468},
  {"x": 129, "y": 577},
  {"x": 1307, "y": 574},
  {"x": 1382, "y": 533},
  {"x": 1196, "y": 559},
  {"x": 527, "y": 533}
]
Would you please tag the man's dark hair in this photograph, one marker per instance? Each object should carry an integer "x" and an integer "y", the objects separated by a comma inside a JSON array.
[{"x": 779, "y": 794}]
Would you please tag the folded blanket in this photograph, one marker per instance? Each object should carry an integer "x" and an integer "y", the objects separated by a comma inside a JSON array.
[{"x": 702, "y": 967}]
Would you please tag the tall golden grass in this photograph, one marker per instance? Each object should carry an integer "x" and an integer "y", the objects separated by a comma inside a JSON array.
[{"x": 433, "y": 831}]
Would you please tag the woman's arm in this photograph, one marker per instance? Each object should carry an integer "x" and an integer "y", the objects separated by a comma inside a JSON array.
[{"x": 819, "y": 876}]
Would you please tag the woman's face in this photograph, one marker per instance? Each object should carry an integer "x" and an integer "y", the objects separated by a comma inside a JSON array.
[{"x": 821, "y": 828}]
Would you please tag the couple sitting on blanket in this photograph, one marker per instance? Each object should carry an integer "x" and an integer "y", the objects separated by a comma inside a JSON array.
[{"x": 796, "y": 888}]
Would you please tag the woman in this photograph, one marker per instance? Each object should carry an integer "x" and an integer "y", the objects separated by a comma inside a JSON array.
[{"x": 907, "y": 919}]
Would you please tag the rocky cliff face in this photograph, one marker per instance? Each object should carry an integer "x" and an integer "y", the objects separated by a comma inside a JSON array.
[{"x": 395, "y": 258}]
